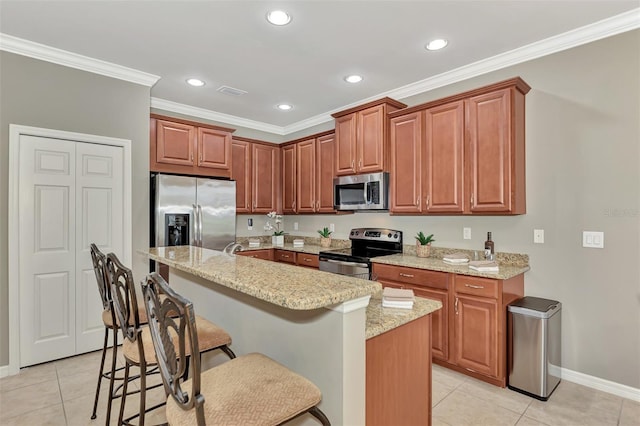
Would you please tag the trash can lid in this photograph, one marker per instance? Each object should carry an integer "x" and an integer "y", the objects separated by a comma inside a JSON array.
[{"x": 535, "y": 304}]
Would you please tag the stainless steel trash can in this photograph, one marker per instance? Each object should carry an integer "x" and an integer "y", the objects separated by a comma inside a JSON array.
[{"x": 534, "y": 326}]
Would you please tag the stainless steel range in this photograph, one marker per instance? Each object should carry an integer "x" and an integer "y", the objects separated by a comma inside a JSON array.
[{"x": 365, "y": 244}]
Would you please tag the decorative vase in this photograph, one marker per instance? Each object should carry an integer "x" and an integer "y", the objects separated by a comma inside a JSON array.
[
  {"x": 325, "y": 242},
  {"x": 423, "y": 250},
  {"x": 277, "y": 240}
]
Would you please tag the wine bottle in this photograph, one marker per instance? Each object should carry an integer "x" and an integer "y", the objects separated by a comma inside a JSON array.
[{"x": 488, "y": 247}]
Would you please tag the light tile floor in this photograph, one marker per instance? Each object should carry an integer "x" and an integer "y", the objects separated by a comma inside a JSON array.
[{"x": 62, "y": 392}]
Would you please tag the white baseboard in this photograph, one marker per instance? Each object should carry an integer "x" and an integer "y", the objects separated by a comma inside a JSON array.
[
  {"x": 4, "y": 371},
  {"x": 600, "y": 384}
]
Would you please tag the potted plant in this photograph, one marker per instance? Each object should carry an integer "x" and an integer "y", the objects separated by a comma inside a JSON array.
[
  {"x": 325, "y": 237},
  {"x": 277, "y": 238},
  {"x": 423, "y": 244}
]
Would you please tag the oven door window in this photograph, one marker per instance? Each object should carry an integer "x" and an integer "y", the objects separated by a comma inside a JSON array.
[{"x": 350, "y": 194}]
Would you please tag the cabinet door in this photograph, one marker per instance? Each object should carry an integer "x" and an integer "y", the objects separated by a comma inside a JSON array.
[
  {"x": 308, "y": 260},
  {"x": 289, "y": 179},
  {"x": 370, "y": 140},
  {"x": 440, "y": 318},
  {"x": 214, "y": 151},
  {"x": 444, "y": 158},
  {"x": 306, "y": 177},
  {"x": 175, "y": 144},
  {"x": 265, "y": 171},
  {"x": 406, "y": 163},
  {"x": 325, "y": 172},
  {"x": 241, "y": 173},
  {"x": 476, "y": 334},
  {"x": 489, "y": 152},
  {"x": 346, "y": 145}
]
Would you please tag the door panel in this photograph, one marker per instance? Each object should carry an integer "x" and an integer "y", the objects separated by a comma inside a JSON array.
[{"x": 47, "y": 249}]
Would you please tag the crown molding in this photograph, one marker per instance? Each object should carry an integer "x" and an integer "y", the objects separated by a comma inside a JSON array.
[
  {"x": 179, "y": 108},
  {"x": 73, "y": 60}
]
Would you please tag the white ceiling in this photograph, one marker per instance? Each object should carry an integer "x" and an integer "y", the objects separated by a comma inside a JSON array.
[{"x": 230, "y": 43}]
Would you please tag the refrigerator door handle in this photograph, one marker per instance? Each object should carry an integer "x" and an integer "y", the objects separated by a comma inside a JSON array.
[
  {"x": 196, "y": 219},
  {"x": 200, "y": 224}
]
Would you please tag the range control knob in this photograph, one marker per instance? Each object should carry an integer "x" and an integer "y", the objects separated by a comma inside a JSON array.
[
  {"x": 389, "y": 235},
  {"x": 395, "y": 236}
]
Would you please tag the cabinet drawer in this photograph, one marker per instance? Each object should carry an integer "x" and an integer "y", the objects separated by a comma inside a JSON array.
[
  {"x": 305, "y": 259},
  {"x": 483, "y": 287},
  {"x": 285, "y": 256},
  {"x": 266, "y": 254},
  {"x": 413, "y": 276}
]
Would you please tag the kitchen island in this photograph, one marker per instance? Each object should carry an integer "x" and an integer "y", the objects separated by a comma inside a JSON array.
[{"x": 329, "y": 328}]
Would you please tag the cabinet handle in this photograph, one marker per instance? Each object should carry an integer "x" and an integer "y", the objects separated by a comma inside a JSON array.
[
  {"x": 455, "y": 306},
  {"x": 191, "y": 157},
  {"x": 473, "y": 286},
  {"x": 472, "y": 198},
  {"x": 360, "y": 163},
  {"x": 284, "y": 255},
  {"x": 317, "y": 205},
  {"x": 353, "y": 165},
  {"x": 427, "y": 200},
  {"x": 293, "y": 206},
  {"x": 418, "y": 202},
  {"x": 307, "y": 260},
  {"x": 406, "y": 275},
  {"x": 200, "y": 160}
]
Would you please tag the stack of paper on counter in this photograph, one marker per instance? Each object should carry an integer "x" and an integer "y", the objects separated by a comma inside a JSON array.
[
  {"x": 253, "y": 243},
  {"x": 397, "y": 298},
  {"x": 456, "y": 258},
  {"x": 298, "y": 243},
  {"x": 484, "y": 265}
]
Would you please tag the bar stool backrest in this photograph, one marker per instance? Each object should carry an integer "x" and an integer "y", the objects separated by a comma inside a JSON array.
[
  {"x": 99, "y": 267},
  {"x": 171, "y": 321},
  {"x": 123, "y": 297}
]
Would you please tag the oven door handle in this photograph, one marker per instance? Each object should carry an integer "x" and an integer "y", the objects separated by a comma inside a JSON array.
[{"x": 345, "y": 263}]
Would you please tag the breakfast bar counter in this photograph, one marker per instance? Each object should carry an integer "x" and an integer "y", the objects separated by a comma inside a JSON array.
[{"x": 330, "y": 328}]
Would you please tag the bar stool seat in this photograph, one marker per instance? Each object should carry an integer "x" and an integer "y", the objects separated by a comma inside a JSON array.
[
  {"x": 249, "y": 390},
  {"x": 210, "y": 336}
]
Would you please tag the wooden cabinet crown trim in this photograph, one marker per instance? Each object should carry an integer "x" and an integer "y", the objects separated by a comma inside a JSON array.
[
  {"x": 191, "y": 123},
  {"x": 388, "y": 101},
  {"x": 314, "y": 136},
  {"x": 516, "y": 82},
  {"x": 255, "y": 141}
]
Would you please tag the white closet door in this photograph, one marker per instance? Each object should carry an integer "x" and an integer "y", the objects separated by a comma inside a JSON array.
[
  {"x": 47, "y": 203},
  {"x": 99, "y": 207},
  {"x": 71, "y": 194}
]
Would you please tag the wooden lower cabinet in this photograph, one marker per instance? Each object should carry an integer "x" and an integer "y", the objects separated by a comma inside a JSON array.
[
  {"x": 284, "y": 256},
  {"x": 398, "y": 376},
  {"x": 266, "y": 254},
  {"x": 307, "y": 260},
  {"x": 469, "y": 333}
]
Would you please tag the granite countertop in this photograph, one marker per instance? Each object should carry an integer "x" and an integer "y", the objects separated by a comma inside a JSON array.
[
  {"x": 381, "y": 320},
  {"x": 307, "y": 248},
  {"x": 285, "y": 285},
  {"x": 435, "y": 264}
]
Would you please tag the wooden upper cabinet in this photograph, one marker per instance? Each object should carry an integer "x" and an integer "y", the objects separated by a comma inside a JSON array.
[
  {"x": 241, "y": 173},
  {"x": 444, "y": 158},
  {"x": 214, "y": 149},
  {"x": 325, "y": 171},
  {"x": 306, "y": 176},
  {"x": 472, "y": 153},
  {"x": 496, "y": 157},
  {"x": 289, "y": 178},
  {"x": 175, "y": 143},
  {"x": 406, "y": 163},
  {"x": 185, "y": 147},
  {"x": 346, "y": 145},
  {"x": 265, "y": 178},
  {"x": 361, "y": 137}
]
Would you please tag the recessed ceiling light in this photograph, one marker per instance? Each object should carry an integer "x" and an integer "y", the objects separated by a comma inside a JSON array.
[
  {"x": 278, "y": 17},
  {"x": 284, "y": 107},
  {"x": 195, "y": 82},
  {"x": 353, "y": 78},
  {"x": 436, "y": 44}
]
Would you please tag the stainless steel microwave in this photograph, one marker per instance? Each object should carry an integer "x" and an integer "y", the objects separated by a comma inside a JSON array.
[{"x": 361, "y": 192}]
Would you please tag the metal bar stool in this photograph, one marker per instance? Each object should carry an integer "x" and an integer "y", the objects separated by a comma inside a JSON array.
[
  {"x": 251, "y": 389},
  {"x": 137, "y": 346}
]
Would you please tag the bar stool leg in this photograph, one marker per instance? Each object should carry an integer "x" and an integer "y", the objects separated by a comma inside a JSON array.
[
  {"x": 101, "y": 372},
  {"x": 124, "y": 393},
  {"x": 112, "y": 378}
]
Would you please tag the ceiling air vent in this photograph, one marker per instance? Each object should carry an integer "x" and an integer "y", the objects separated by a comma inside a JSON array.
[{"x": 231, "y": 91}]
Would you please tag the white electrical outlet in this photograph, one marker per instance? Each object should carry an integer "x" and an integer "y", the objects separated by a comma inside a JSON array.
[
  {"x": 295, "y": 226},
  {"x": 593, "y": 239},
  {"x": 466, "y": 233},
  {"x": 538, "y": 236},
  {"x": 332, "y": 227},
  {"x": 250, "y": 224}
]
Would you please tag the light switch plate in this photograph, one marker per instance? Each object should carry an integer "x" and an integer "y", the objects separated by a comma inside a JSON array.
[
  {"x": 538, "y": 236},
  {"x": 295, "y": 226},
  {"x": 332, "y": 227},
  {"x": 466, "y": 233},
  {"x": 593, "y": 239}
]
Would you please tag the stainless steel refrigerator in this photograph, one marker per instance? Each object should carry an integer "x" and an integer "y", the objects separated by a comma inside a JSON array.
[{"x": 193, "y": 211}]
